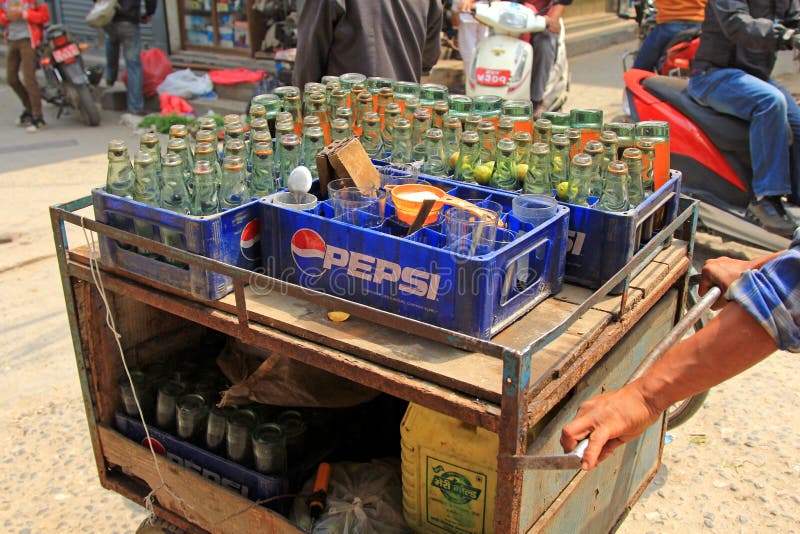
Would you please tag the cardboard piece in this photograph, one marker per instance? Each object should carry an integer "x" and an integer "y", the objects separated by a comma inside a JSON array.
[{"x": 350, "y": 160}]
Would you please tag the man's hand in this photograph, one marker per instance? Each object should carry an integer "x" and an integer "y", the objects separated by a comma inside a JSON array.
[
  {"x": 723, "y": 271},
  {"x": 553, "y": 24},
  {"x": 609, "y": 420}
]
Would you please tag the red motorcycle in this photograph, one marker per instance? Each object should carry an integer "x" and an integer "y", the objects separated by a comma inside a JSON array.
[{"x": 710, "y": 149}]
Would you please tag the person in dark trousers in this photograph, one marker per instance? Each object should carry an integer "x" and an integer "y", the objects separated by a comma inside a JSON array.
[
  {"x": 124, "y": 31},
  {"x": 731, "y": 74},
  {"x": 24, "y": 22},
  {"x": 672, "y": 17},
  {"x": 390, "y": 38}
]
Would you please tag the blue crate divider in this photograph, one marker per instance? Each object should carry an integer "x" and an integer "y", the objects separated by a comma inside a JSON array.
[
  {"x": 246, "y": 482},
  {"x": 231, "y": 237},
  {"x": 415, "y": 276}
]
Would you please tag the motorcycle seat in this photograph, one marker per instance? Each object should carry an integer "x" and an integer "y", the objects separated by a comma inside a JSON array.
[{"x": 728, "y": 133}]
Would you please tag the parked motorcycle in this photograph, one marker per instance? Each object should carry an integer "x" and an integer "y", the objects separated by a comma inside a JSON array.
[{"x": 67, "y": 81}]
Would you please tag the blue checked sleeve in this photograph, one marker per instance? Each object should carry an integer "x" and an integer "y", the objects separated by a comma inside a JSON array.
[{"x": 772, "y": 296}]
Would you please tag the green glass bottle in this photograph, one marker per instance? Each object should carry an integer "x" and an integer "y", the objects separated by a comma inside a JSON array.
[
  {"x": 178, "y": 146},
  {"x": 258, "y": 137},
  {"x": 658, "y": 132},
  {"x": 588, "y": 121},
  {"x": 376, "y": 83},
  {"x": 365, "y": 106},
  {"x": 283, "y": 90},
  {"x": 537, "y": 179},
  {"x": 468, "y": 157},
  {"x": 632, "y": 157},
  {"x": 440, "y": 110},
  {"x": 233, "y": 191},
  {"x": 205, "y": 136},
  {"x": 259, "y": 124},
  {"x": 371, "y": 135},
  {"x": 472, "y": 122},
  {"x": 489, "y": 107},
  {"x": 355, "y": 90},
  {"x": 346, "y": 113},
  {"x": 505, "y": 128},
  {"x": 281, "y": 129},
  {"x": 435, "y": 163},
  {"x": 234, "y": 147},
  {"x": 308, "y": 90},
  {"x": 272, "y": 104},
  {"x": 626, "y": 134},
  {"x": 401, "y": 142},
  {"x": 452, "y": 139},
  {"x": 262, "y": 180},
  {"x": 291, "y": 154},
  {"x": 293, "y": 106},
  {"x": 174, "y": 195},
  {"x": 313, "y": 142},
  {"x": 330, "y": 87},
  {"x": 180, "y": 131},
  {"x": 459, "y": 106},
  {"x": 609, "y": 140},
  {"x": 559, "y": 159},
  {"x": 149, "y": 143},
  {"x": 411, "y": 105},
  {"x": 579, "y": 179},
  {"x": 574, "y": 136},
  {"x": 559, "y": 121},
  {"x": 519, "y": 111},
  {"x": 145, "y": 184},
  {"x": 385, "y": 97},
  {"x": 319, "y": 109},
  {"x": 119, "y": 178},
  {"x": 340, "y": 129},
  {"x": 421, "y": 124},
  {"x": 256, "y": 111},
  {"x": 392, "y": 113},
  {"x": 206, "y": 122},
  {"x": 329, "y": 78},
  {"x": 205, "y": 195},
  {"x": 337, "y": 100},
  {"x": 310, "y": 121},
  {"x": 349, "y": 79},
  {"x": 404, "y": 91},
  {"x": 430, "y": 93},
  {"x": 594, "y": 149},
  {"x": 542, "y": 131},
  {"x": 504, "y": 175},
  {"x": 615, "y": 192},
  {"x": 488, "y": 136},
  {"x": 648, "y": 149},
  {"x": 207, "y": 152},
  {"x": 523, "y": 151}
]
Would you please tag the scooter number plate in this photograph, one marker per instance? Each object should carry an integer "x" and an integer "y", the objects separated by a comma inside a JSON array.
[
  {"x": 65, "y": 53},
  {"x": 492, "y": 77}
]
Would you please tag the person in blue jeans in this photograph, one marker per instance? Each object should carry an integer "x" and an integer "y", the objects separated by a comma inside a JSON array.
[
  {"x": 124, "y": 31},
  {"x": 672, "y": 17},
  {"x": 731, "y": 74}
]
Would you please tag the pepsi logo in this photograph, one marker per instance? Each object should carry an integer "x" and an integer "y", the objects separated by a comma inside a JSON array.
[
  {"x": 249, "y": 242},
  {"x": 308, "y": 251}
]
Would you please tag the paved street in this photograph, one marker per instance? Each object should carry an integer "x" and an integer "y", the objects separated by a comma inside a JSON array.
[{"x": 741, "y": 476}]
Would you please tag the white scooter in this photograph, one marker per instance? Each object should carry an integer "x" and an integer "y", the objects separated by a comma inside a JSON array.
[{"x": 502, "y": 63}]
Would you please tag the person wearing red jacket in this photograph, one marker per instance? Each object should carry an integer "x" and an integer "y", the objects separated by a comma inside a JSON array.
[{"x": 24, "y": 21}]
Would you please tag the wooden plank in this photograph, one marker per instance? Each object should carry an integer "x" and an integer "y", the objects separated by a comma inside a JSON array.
[{"x": 189, "y": 495}]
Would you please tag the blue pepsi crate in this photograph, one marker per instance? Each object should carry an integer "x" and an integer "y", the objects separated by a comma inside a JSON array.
[
  {"x": 246, "y": 482},
  {"x": 230, "y": 237},
  {"x": 415, "y": 276}
]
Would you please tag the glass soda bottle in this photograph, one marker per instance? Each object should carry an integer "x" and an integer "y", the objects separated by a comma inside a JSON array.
[
  {"x": 291, "y": 154},
  {"x": 574, "y": 136},
  {"x": 309, "y": 89},
  {"x": 488, "y": 136},
  {"x": 338, "y": 99},
  {"x": 273, "y": 105},
  {"x": 149, "y": 143},
  {"x": 579, "y": 178},
  {"x": 658, "y": 132},
  {"x": 537, "y": 179},
  {"x": 206, "y": 152},
  {"x": 355, "y": 90},
  {"x": 626, "y": 134},
  {"x": 632, "y": 157},
  {"x": 440, "y": 110},
  {"x": 385, "y": 97},
  {"x": 313, "y": 142},
  {"x": 364, "y": 106},
  {"x": 588, "y": 121},
  {"x": 180, "y": 131},
  {"x": 401, "y": 142},
  {"x": 558, "y": 119},
  {"x": 505, "y": 128},
  {"x": 609, "y": 141},
  {"x": 206, "y": 122},
  {"x": 376, "y": 83},
  {"x": 519, "y": 111},
  {"x": 435, "y": 163},
  {"x": 522, "y": 153},
  {"x": 340, "y": 129},
  {"x": 615, "y": 192},
  {"x": 233, "y": 190},
  {"x": 349, "y": 79},
  {"x": 205, "y": 195},
  {"x": 310, "y": 121},
  {"x": 452, "y": 139},
  {"x": 284, "y": 90},
  {"x": 234, "y": 147},
  {"x": 319, "y": 109},
  {"x": 468, "y": 157},
  {"x": 430, "y": 93},
  {"x": 371, "y": 135},
  {"x": 178, "y": 146},
  {"x": 119, "y": 178},
  {"x": 411, "y": 107},
  {"x": 174, "y": 195},
  {"x": 293, "y": 106},
  {"x": 281, "y": 129},
  {"x": 145, "y": 184},
  {"x": 504, "y": 175},
  {"x": 489, "y": 107},
  {"x": 472, "y": 122},
  {"x": 421, "y": 124},
  {"x": 647, "y": 148},
  {"x": 559, "y": 159},
  {"x": 459, "y": 106},
  {"x": 391, "y": 114},
  {"x": 262, "y": 180},
  {"x": 346, "y": 113},
  {"x": 542, "y": 131},
  {"x": 256, "y": 111},
  {"x": 403, "y": 91},
  {"x": 594, "y": 149}
]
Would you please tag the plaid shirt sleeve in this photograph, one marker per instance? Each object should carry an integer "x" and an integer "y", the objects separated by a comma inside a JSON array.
[{"x": 772, "y": 296}]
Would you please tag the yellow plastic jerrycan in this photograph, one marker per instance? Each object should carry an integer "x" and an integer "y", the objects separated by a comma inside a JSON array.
[{"x": 449, "y": 473}]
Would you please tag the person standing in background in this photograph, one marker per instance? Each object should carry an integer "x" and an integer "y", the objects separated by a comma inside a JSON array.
[
  {"x": 672, "y": 17},
  {"x": 24, "y": 22},
  {"x": 390, "y": 38},
  {"x": 124, "y": 30},
  {"x": 470, "y": 32}
]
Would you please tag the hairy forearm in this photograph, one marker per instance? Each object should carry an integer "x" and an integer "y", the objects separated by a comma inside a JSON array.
[{"x": 732, "y": 342}]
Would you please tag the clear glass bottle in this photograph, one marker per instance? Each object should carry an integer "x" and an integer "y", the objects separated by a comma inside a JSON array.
[
  {"x": 392, "y": 113},
  {"x": 234, "y": 147},
  {"x": 291, "y": 154},
  {"x": 281, "y": 129},
  {"x": 308, "y": 90},
  {"x": 574, "y": 136},
  {"x": 615, "y": 192},
  {"x": 371, "y": 135},
  {"x": 206, "y": 122},
  {"x": 145, "y": 184},
  {"x": 401, "y": 142},
  {"x": 262, "y": 179},
  {"x": 522, "y": 140},
  {"x": 472, "y": 122},
  {"x": 421, "y": 124},
  {"x": 364, "y": 106},
  {"x": 588, "y": 121},
  {"x": 430, "y": 93},
  {"x": 376, "y": 83},
  {"x": 349, "y": 79},
  {"x": 283, "y": 90},
  {"x": 356, "y": 90},
  {"x": 559, "y": 159},
  {"x": 340, "y": 129},
  {"x": 233, "y": 191},
  {"x": 579, "y": 179},
  {"x": 174, "y": 195},
  {"x": 658, "y": 132},
  {"x": 207, "y": 152},
  {"x": 505, "y": 128},
  {"x": 542, "y": 131},
  {"x": 647, "y": 148},
  {"x": 205, "y": 194},
  {"x": 119, "y": 178},
  {"x": 273, "y": 104},
  {"x": 293, "y": 106},
  {"x": 519, "y": 111},
  {"x": 338, "y": 99},
  {"x": 258, "y": 124},
  {"x": 468, "y": 157},
  {"x": 626, "y": 134},
  {"x": 440, "y": 110},
  {"x": 313, "y": 142},
  {"x": 178, "y": 146},
  {"x": 632, "y": 157},
  {"x": 310, "y": 121},
  {"x": 489, "y": 107},
  {"x": 559, "y": 121},
  {"x": 452, "y": 139},
  {"x": 488, "y": 136},
  {"x": 149, "y": 143},
  {"x": 346, "y": 113},
  {"x": 284, "y": 116},
  {"x": 330, "y": 78},
  {"x": 460, "y": 106},
  {"x": 594, "y": 149},
  {"x": 411, "y": 106},
  {"x": 609, "y": 140},
  {"x": 504, "y": 175},
  {"x": 537, "y": 179},
  {"x": 385, "y": 97},
  {"x": 205, "y": 136},
  {"x": 403, "y": 91},
  {"x": 435, "y": 163},
  {"x": 180, "y": 131},
  {"x": 256, "y": 111}
]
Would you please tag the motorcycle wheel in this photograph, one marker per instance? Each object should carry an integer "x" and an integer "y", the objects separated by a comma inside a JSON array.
[
  {"x": 84, "y": 101},
  {"x": 679, "y": 413}
]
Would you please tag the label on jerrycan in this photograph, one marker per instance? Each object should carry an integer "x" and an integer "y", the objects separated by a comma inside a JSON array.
[{"x": 455, "y": 497}]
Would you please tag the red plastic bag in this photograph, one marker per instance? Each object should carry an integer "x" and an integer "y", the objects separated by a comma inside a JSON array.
[
  {"x": 174, "y": 104},
  {"x": 237, "y": 75},
  {"x": 155, "y": 67}
]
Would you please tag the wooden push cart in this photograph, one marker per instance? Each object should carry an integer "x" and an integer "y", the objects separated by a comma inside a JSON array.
[{"x": 573, "y": 345}]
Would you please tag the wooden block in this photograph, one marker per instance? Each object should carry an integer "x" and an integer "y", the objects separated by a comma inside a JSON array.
[{"x": 350, "y": 160}]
